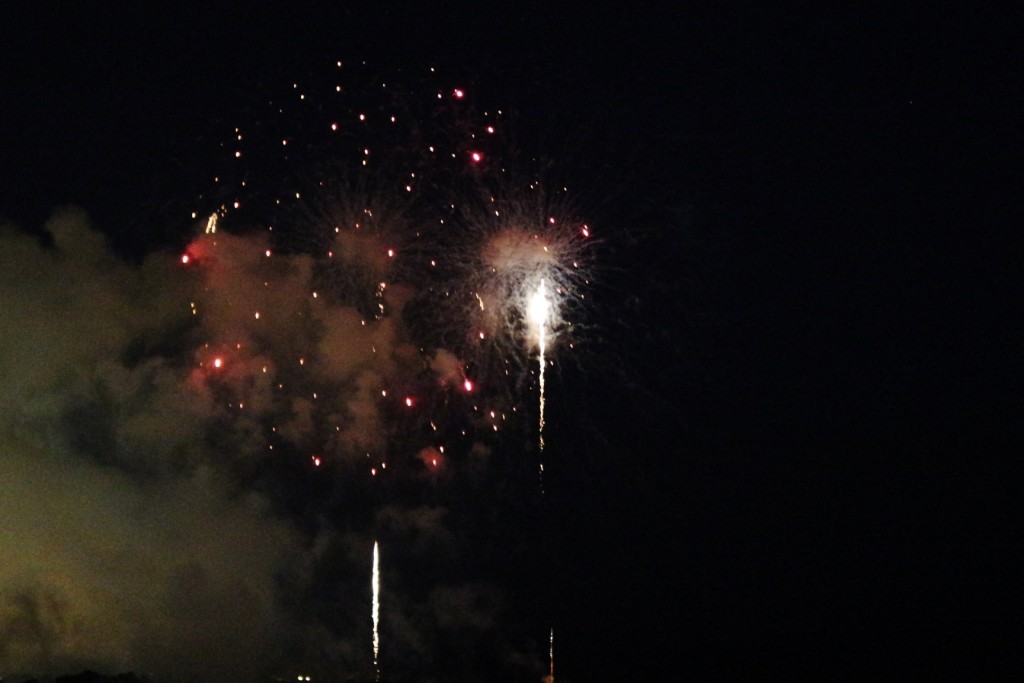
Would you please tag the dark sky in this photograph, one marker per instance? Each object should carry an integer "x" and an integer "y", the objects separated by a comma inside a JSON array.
[{"x": 793, "y": 461}]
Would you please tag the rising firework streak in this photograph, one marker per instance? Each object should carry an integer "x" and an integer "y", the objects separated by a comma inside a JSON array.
[
  {"x": 550, "y": 678},
  {"x": 376, "y": 610}
]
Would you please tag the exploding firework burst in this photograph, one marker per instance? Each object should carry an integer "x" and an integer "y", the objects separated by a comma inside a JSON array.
[
  {"x": 380, "y": 289},
  {"x": 397, "y": 216}
]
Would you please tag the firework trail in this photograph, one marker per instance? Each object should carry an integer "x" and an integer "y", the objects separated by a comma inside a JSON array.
[
  {"x": 538, "y": 317},
  {"x": 551, "y": 656},
  {"x": 376, "y": 610}
]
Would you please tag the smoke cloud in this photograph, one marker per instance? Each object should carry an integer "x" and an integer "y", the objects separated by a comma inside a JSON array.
[{"x": 162, "y": 510}]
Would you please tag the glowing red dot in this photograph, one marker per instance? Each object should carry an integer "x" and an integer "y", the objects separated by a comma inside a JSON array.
[
  {"x": 185, "y": 258},
  {"x": 217, "y": 362},
  {"x": 434, "y": 462},
  {"x": 408, "y": 401},
  {"x": 585, "y": 231},
  {"x": 459, "y": 94},
  {"x": 467, "y": 385},
  {"x": 477, "y": 157},
  {"x": 316, "y": 461}
]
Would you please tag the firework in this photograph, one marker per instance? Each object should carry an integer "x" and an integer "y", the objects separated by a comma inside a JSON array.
[
  {"x": 372, "y": 285},
  {"x": 551, "y": 657},
  {"x": 350, "y": 347},
  {"x": 537, "y": 314},
  {"x": 395, "y": 230},
  {"x": 375, "y": 610}
]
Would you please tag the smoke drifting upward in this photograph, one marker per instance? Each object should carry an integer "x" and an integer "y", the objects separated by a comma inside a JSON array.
[{"x": 199, "y": 450}]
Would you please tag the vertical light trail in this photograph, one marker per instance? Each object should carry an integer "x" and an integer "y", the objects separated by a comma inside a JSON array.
[
  {"x": 537, "y": 314},
  {"x": 551, "y": 656},
  {"x": 376, "y": 610}
]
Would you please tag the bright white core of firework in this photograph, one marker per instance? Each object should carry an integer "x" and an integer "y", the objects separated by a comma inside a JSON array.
[{"x": 539, "y": 309}]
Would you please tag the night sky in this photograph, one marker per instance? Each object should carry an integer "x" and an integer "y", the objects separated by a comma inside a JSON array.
[{"x": 780, "y": 446}]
